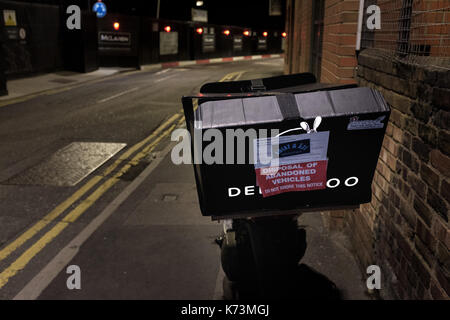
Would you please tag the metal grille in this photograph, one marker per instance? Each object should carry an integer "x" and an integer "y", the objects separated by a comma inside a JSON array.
[{"x": 410, "y": 29}]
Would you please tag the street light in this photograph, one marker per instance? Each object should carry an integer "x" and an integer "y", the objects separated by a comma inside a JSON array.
[
  {"x": 167, "y": 28},
  {"x": 199, "y": 3},
  {"x": 226, "y": 32},
  {"x": 199, "y": 30},
  {"x": 116, "y": 26}
]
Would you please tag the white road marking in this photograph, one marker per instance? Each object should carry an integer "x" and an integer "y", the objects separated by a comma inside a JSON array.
[
  {"x": 270, "y": 63},
  {"x": 165, "y": 78},
  {"x": 118, "y": 95},
  {"x": 162, "y": 71},
  {"x": 41, "y": 281}
]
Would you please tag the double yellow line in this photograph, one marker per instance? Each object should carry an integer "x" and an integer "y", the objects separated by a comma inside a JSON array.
[
  {"x": 20, "y": 263},
  {"x": 232, "y": 76}
]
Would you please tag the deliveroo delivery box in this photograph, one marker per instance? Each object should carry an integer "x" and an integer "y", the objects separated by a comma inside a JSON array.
[{"x": 271, "y": 153}]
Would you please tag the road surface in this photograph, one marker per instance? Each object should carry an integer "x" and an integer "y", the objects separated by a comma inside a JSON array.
[{"x": 86, "y": 180}]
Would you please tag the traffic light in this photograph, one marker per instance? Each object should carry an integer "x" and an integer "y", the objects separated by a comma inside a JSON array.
[
  {"x": 199, "y": 30},
  {"x": 226, "y": 32},
  {"x": 265, "y": 34},
  {"x": 167, "y": 28}
]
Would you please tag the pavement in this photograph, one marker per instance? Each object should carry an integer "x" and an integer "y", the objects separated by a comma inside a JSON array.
[{"x": 132, "y": 223}]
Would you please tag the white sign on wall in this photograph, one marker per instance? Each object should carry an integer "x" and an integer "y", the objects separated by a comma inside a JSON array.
[
  {"x": 199, "y": 15},
  {"x": 168, "y": 43}
]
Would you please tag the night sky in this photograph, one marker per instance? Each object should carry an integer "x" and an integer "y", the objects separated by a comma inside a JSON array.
[
  {"x": 245, "y": 13},
  {"x": 248, "y": 13}
]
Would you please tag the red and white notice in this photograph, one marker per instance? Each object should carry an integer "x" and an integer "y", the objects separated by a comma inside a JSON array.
[
  {"x": 291, "y": 163},
  {"x": 305, "y": 176}
]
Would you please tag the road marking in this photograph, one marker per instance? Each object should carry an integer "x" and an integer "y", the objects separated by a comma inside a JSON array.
[
  {"x": 239, "y": 75},
  {"x": 5, "y": 252},
  {"x": 21, "y": 262},
  {"x": 229, "y": 76},
  {"x": 162, "y": 71},
  {"x": 42, "y": 280},
  {"x": 165, "y": 78},
  {"x": 118, "y": 95},
  {"x": 64, "y": 88}
]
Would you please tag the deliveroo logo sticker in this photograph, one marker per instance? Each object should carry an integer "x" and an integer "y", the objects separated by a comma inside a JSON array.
[
  {"x": 100, "y": 8},
  {"x": 356, "y": 124}
]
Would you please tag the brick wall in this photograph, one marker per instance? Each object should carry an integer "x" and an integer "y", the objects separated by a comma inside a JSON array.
[
  {"x": 299, "y": 26},
  {"x": 405, "y": 229},
  {"x": 339, "y": 39},
  {"x": 338, "y": 53},
  {"x": 429, "y": 26}
]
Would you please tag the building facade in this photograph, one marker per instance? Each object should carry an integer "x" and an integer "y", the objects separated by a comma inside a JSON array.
[{"x": 405, "y": 228}]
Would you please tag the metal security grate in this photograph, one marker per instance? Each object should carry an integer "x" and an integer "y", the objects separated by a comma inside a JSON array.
[{"x": 410, "y": 28}]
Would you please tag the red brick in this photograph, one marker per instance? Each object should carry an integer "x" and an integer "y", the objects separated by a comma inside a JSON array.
[
  {"x": 437, "y": 292},
  {"x": 397, "y": 134},
  {"x": 436, "y": 202},
  {"x": 423, "y": 210},
  {"x": 445, "y": 190},
  {"x": 440, "y": 230},
  {"x": 443, "y": 278},
  {"x": 429, "y": 176},
  {"x": 424, "y": 233},
  {"x": 440, "y": 162}
]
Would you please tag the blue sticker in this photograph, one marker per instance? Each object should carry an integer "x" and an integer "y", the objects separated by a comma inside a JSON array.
[
  {"x": 100, "y": 9},
  {"x": 293, "y": 148}
]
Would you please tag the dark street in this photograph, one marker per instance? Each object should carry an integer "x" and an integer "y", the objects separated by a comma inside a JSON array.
[{"x": 207, "y": 152}]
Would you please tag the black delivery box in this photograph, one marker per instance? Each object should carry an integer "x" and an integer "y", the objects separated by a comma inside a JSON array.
[{"x": 344, "y": 151}]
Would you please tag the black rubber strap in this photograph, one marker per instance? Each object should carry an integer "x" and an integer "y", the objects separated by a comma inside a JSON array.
[
  {"x": 258, "y": 85},
  {"x": 288, "y": 106}
]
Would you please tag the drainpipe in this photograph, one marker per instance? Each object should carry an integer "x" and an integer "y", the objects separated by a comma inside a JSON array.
[{"x": 360, "y": 22}]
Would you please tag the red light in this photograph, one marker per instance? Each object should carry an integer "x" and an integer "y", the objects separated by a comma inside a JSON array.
[
  {"x": 246, "y": 33},
  {"x": 167, "y": 28},
  {"x": 265, "y": 33},
  {"x": 284, "y": 34},
  {"x": 199, "y": 30},
  {"x": 116, "y": 26},
  {"x": 226, "y": 32}
]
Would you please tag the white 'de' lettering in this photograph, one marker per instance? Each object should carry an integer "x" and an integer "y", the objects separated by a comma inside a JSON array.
[{"x": 250, "y": 190}]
